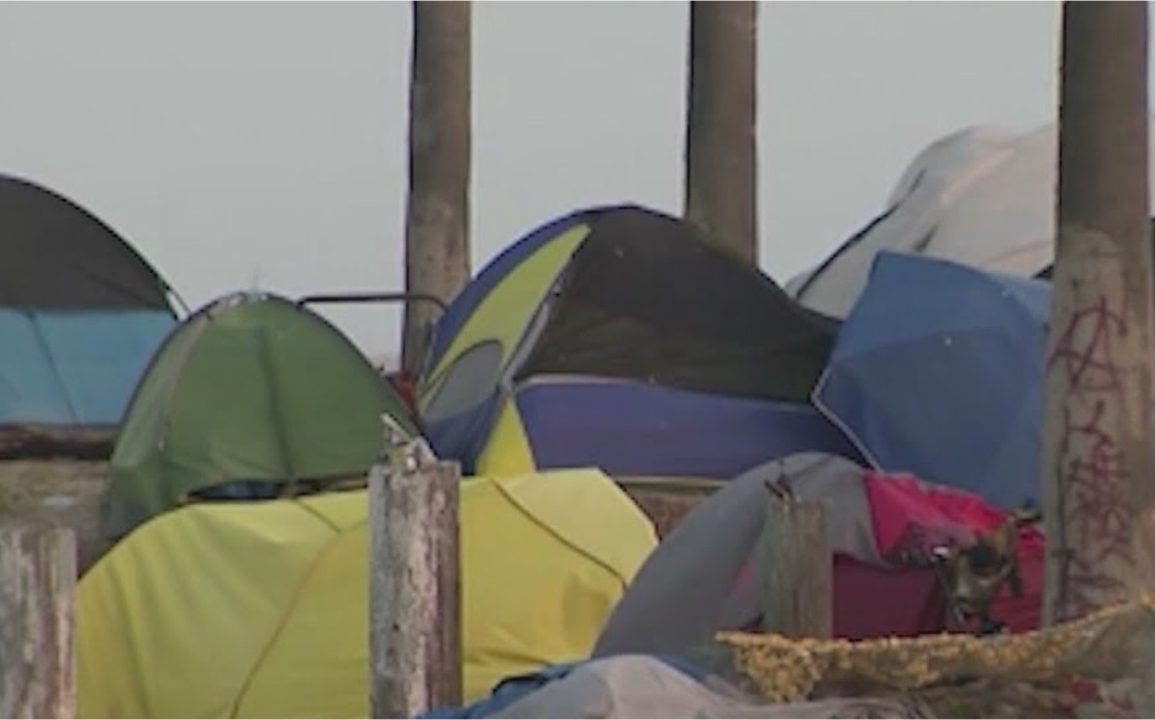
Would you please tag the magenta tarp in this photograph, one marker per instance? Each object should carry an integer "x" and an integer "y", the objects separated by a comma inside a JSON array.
[
  {"x": 909, "y": 514},
  {"x": 871, "y": 601},
  {"x": 707, "y": 574}
]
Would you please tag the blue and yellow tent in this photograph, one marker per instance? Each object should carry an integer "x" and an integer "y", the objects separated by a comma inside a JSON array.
[{"x": 618, "y": 338}]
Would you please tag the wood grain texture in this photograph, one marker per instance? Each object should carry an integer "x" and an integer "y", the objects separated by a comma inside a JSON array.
[
  {"x": 440, "y": 119},
  {"x": 721, "y": 140},
  {"x": 414, "y": 592},
  {"x": 799, "y": 578},
  {"x": 37, "y": 582}
]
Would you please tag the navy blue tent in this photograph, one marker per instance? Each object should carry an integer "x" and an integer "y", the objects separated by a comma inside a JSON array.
[
  {"x": 630, "y": 428},
  {"x": 938, "y": 371},
  {"x": 621, "y": 338},
  {"x": 80, "y": 313}
]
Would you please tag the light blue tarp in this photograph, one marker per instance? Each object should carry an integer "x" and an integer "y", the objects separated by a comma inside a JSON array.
[
  {"x": 74, "y": 367},
  {"x": 938, "y": 370}
]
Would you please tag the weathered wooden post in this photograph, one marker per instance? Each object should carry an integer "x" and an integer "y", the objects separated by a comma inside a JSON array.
[
  {"x": 1098, "y": 488},
  {"x": 37, "y": 578},
  {"x": 800, "y": 572},
  {"x": 437, "y": 210},
  {"x": 721, "y": 168},
  {"x": 414, "y": 586}
]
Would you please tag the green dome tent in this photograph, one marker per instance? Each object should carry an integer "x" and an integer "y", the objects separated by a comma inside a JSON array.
[{"x": 251, "y": 396}]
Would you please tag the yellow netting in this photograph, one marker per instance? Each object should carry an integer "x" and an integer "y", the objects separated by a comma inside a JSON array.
[{"x": 1085, "y": 668}]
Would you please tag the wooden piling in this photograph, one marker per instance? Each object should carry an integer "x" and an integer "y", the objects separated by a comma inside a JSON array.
[
  {"x": 797, "y": 600},
  {"x": 37, "y": 583},
  {"x": 414, "y": 587}
]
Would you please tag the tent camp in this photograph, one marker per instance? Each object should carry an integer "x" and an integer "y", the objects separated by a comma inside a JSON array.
[
  {"x": 708, "y": 574},
  {"x": 618, "y": 338},
  {"x": 252, "y": 395},
  {"x": 259, "y": 609},
  {"x": 80, "y": 314},
  {"x": 982, "y": 196},
  {"x": 948, "y": 386}
]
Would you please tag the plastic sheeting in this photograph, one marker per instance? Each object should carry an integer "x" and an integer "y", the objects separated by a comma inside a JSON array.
[{"x": 981, "y": 196}]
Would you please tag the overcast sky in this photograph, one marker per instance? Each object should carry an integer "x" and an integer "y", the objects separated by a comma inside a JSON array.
[{"x": 263, "y": 144}]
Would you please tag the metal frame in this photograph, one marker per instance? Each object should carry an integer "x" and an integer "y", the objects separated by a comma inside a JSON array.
[{"x": 351, "y": 298}]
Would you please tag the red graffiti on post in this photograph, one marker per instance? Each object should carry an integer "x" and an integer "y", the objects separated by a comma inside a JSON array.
[{"x": 1092, "y": 477}]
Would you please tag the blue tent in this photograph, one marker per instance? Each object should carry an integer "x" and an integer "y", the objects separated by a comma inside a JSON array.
[
  {"x": 73, "y": 368},
  {"x": 938, "y": 371},
  {"x": 80, "y": 313},
  {"x": 629, "y": 428},
  {"x": 621, "y": 338}
]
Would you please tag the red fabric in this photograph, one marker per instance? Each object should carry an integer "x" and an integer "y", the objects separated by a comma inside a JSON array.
[
  {"x": 904, "y": 510},
  {"x": 403, "y": 383},
  {"x": 874, "y": 602},
  {"x": 900, "y": 503},
  {"x": 871, "y": 601},
  {"x": 1024, "y": 613}
]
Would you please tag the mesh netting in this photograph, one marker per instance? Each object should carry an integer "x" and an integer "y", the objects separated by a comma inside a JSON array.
[{"x": 1100, "y": 666}]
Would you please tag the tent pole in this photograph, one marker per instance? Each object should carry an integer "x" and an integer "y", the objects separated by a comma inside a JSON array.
[
  {"x": 42, "y": 342},
  {"x": 358, "y": 298}
]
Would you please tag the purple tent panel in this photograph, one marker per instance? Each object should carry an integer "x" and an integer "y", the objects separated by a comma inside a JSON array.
[{"x": 632, "y": 428}]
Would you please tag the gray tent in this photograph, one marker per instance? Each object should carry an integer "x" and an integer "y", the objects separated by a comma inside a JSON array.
[
  {"x": 707, "y": 575},
  {"x": 699, "y": 563}
]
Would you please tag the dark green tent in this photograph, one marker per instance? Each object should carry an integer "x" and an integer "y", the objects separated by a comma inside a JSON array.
[{"x": 250, "y": 394}]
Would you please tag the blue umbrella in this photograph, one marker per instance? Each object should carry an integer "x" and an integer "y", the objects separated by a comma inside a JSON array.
[{"x": 938, "y": 371}]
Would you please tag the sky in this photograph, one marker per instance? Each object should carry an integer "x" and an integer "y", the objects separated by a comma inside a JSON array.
[{"x": 246, "y": 145}]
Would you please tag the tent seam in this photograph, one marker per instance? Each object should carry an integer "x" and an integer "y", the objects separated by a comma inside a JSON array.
[
  {"x": 287, "y": 614},
  {"x": 836, "y": 421},
  {"x": 559, "y": 537},
  {"x": 42, "y": 341}
]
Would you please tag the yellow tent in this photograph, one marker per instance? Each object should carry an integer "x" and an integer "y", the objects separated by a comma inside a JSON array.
[{"x": 260, "y": 609}]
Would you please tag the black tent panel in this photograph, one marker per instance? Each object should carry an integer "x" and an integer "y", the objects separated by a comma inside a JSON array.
[
  {"x": 646, "y": 298},
  {"x": 54, "y": 254}
]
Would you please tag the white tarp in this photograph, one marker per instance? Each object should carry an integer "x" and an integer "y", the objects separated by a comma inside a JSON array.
[{"x": 981, "y": 196}]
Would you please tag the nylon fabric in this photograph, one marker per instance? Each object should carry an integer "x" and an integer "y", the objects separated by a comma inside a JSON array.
[
  {"x": 260, "y": 609},
  {"x": 58, "y": 256},
  {"x": 642, "y": 297},
  {"x": 507, "y": 450},
  {"x": 252, "y": 388},
  {"x": 949, "y": 388},
  {"x": 505, "y": 311}
]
